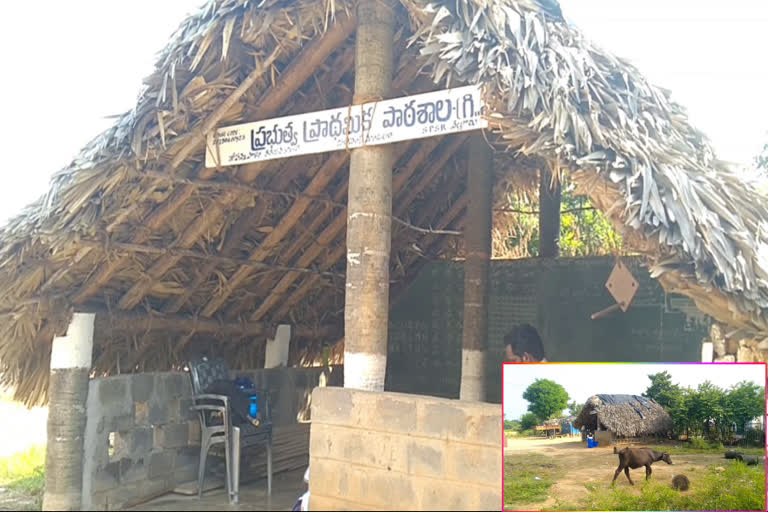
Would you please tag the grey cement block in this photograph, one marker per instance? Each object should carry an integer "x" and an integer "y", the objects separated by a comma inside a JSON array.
[
  {"x": 121, "y": 423},
  {"x": 188, "y": 456},
  {"x": 425, "y": 460},
  {"x": 332, "y": 405},
  {"x": 396, "y": 414},
  {"x": 161, "y": 464},
  {"x": 142, "y": 441},
  {"x": 444, "y": 420},
  {"x": 158, "y": 413},
  {"x": 142, "y": 385},
  {"x": 174, "y": 435},
  {"x": 185, "y": 413},
  {"x": 106, "y": 478},
  {"x": 133, "y": 470},
  {"x": 114, "y": 397},
  {"x": 177, "y": 385}
]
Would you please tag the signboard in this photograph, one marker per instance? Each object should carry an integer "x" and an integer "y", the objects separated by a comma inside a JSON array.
[{"x": 383, "y": 122}]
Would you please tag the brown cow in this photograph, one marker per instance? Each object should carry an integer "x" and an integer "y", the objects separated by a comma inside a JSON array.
[{"x": 633, "y": 458}]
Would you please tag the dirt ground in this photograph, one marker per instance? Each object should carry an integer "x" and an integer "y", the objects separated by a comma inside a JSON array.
[{"x": 581, "y": 465}]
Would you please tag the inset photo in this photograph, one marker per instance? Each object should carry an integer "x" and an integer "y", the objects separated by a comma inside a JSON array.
[{"x": 634, "y": 436}]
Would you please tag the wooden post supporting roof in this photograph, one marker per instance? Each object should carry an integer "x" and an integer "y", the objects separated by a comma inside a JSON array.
[
  {"x": 68, "y": 387},
  {"x": 549, "y": 215},
  {"x": 477, "y": 236},
  {"x": 369, "y": 212}
]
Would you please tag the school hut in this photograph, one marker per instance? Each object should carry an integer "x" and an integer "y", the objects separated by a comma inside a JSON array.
[
  {"x": 175, "y": 233},
  {"x": 625, "y": 417}
]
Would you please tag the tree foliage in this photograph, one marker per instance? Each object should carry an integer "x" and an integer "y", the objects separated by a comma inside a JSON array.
[
  {"x": 662, "y": 389},
  {"x": 707, "y": 410},
  {"x": 584, "y": 231},
  {"x": 529, "y": 420},
  {"x": 574, "y": 409},
  {"x": 546, "y": 399}
]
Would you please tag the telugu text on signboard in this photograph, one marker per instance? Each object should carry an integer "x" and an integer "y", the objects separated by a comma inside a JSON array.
[{"x": 384, "y": 122}]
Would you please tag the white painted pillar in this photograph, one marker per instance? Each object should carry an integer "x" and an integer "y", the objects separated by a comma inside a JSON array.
[
  {"x": 67, "y": 395},
  {"x": 276, "y": 352}
]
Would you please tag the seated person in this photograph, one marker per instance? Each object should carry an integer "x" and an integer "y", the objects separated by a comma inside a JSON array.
[{"x": 523, "y": 345}]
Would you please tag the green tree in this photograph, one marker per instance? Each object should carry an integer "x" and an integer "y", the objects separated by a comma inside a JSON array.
[
  {"x": 662, "y": 389},
  {"x": 512, "y": 425},
  {"x": 529, "y": 420},
  {"x": 745, "y": 402},
  {"x": 575, "y": 408},
  {"x": 546, "y": 399}
]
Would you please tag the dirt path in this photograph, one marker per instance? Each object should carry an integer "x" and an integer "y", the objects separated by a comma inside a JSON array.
[{"x": 580, "y": 465}]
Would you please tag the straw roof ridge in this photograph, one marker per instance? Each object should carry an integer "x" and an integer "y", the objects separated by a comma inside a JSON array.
[
  {"x": 558, "y": 96},
  {"x": 127, "y": 224},
  {"x": 624, "y": 415}
]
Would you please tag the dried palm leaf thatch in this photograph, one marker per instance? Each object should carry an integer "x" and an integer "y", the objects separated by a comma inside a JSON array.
[
  {"x": 624, "y": 415},
  {"x": 556, "y": 101},
  {"x": 557, "y": 96}
]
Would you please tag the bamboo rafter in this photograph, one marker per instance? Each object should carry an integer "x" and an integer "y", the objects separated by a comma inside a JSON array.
[
  {"x": 324, "y": 175},
  {"x": 301, "y": 68},
  {"x": 338, "y": 69},
  {"x": 183, "y": 252},
  {"x": 337, "y": 254},
  {"x": 339, "y": 223}
]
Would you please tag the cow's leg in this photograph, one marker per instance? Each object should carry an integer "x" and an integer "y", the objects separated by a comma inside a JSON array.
[
  {"x": 626, "y": 472},
  {"x": 648, "y": 472},
  {"x": 616, "y": 474}
]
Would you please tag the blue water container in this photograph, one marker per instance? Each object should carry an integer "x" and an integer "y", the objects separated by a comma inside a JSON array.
[
  {"x": 594, "y": 445},
  {"x": 253, "y": 411},
  {"x": 590, "y": 443}
]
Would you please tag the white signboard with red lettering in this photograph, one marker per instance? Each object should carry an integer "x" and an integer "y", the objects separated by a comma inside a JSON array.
[{"x": 412, "y": 117}]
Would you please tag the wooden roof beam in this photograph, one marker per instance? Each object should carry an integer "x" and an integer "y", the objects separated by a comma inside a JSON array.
[
  {"x": 340, "y": 251},
  {"x": 340, "y": 66},
  {"x": 332, "y": 231},
  {"x": 310, "y": 254},
  {"x": 323, "y": 177},
  {"x": 301, "y": 68},
  {"x": 157, "y": 218},
  {"x": 408, "y": 75},
  {"x": 294, "y": 77},
  {"x": 235, "y": 235},
  {"x": 142, "y": 322}
]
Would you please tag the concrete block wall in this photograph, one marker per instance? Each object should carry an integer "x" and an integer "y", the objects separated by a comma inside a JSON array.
[
  {"x": 558, "y": 297},
  {"x": 141, "y": 438},
  {"x": 392, "y": 451}
]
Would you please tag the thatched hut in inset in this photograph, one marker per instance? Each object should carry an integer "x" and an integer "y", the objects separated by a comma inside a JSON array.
[{"x": 612, "y": 417}]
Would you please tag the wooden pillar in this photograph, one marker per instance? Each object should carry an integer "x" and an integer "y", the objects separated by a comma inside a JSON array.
[
  {"x": 369, "y": 210},
  {"x": 549, "y": 216},
  {"x": 67, "y": 395},
  {"x": 477, "y": 237}
]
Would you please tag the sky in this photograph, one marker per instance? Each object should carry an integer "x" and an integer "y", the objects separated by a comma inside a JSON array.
[
  {"x": 67, "y": 66},
  {"x": 584, "y": 380}
]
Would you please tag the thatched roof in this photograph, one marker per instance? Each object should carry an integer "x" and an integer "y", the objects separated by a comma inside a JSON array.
[
  {"x": 624, "y": 415},
  {"x": 136, "y": 226}
]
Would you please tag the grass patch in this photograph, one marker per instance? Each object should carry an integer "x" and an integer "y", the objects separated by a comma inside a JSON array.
[
  {"x": 684, "y": 449},
  {"x": 739, "y": 487},
  {"x": 23, "y": 476},
  {"x": 527, "y": 478}
]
